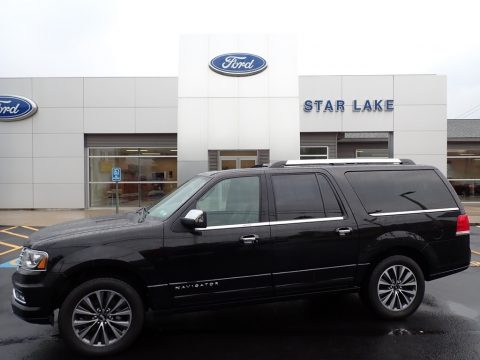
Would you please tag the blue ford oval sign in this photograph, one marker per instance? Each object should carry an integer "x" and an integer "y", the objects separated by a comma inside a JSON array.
[
  {"x": 238, "y": 64},
  {"x": 16, "y": 108}
]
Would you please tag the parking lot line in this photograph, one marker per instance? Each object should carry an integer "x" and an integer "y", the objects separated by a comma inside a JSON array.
[
  {"x": 29, "y": 228},
  {"x": 12, "y": 246},
  {"x": 14, "y": 234},
  {"x": 475, "y": 263},
  {"x": 475, "y": 252},
  {"x": 10, "y": 228}
]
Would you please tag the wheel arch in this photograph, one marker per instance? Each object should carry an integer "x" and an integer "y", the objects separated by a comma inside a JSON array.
[
  {"x": 415, "y": 254},
  {"x": 101, "y": 268}
]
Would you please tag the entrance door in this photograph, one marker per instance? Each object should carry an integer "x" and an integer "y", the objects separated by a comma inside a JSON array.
[
  {"x": 230, "y": 159},
  {"x": 237, "y": 162}
]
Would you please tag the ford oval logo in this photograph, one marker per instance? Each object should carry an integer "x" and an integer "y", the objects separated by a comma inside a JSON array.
[
  {"x": 16, "y": 108},
  {"x": 238, "y": 64}
]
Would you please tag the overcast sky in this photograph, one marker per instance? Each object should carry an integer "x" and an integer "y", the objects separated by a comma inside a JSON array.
[{"x": 140, "y": 37}]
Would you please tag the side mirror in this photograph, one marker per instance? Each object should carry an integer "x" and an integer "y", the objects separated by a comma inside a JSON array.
[{"x": 195, "y": 219}]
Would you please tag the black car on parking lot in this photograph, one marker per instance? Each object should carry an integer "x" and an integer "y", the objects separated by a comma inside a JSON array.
[{"x": 380, "y": 227}]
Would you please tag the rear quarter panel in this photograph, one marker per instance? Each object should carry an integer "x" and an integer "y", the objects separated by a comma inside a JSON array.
[{"x": 431, "y": 237}]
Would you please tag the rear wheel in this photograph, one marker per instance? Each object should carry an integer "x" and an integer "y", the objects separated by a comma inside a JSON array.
[
  {"x": 395, "y": 288},
  {"x": 101, "y": 317}
]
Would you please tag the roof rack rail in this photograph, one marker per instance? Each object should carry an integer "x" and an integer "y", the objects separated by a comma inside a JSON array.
[
  {"x": 278, "y": 164},
  {"x": 369, "y": 161}
]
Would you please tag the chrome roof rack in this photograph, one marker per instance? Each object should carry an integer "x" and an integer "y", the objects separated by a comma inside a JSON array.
[{"x": 368, "y": 161}]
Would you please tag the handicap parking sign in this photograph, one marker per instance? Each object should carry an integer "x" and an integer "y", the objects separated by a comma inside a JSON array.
[{"x": 116, "y": 174}]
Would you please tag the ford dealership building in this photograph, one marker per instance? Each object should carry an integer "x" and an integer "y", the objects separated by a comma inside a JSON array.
[{"x": 238, "y": 101}]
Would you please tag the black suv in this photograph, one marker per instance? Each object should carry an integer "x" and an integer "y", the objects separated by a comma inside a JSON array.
[{"x": 296, "y": 228}]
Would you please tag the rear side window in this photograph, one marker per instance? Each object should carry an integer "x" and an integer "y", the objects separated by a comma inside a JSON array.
[
  {"x": 297, "y": 196},
  {"x": 393, "y": 191},
  {"x": 304, "y": 196},
  {"x": 332, "y": 208}
]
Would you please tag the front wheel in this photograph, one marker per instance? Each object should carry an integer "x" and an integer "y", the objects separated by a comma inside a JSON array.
[
  {"x": 395, "y": 288},
  {"x": 101, "y": 317}
]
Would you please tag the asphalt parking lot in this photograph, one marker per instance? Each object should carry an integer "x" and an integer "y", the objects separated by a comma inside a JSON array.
[{"x": 446, "y": 326}]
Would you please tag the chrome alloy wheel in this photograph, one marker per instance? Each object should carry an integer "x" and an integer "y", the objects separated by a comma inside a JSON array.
[
  {"x": 397, "y": 288},
  {"x": 101, "y": 318}
]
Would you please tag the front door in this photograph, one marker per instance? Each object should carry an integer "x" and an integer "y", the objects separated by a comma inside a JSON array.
[{"x": 230, "y": 259}]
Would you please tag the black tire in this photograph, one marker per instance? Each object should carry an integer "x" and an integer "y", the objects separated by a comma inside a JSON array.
[
  {"x": 116, "y": 337},
  {"x": 401, "y": 296}
]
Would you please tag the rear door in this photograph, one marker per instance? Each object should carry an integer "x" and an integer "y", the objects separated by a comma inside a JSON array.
[{"x": 314, "y": 235}]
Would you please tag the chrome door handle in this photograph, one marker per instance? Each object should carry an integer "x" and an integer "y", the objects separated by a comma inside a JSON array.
[
  {"x": 344, "y": 231},
  {"x": 249, "y": 239}
]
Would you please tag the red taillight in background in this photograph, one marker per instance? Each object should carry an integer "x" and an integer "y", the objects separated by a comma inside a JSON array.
[{"x": 463, "y": 225}]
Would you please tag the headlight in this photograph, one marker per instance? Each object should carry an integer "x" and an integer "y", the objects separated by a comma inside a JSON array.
[{"x": 33, "y": 260}]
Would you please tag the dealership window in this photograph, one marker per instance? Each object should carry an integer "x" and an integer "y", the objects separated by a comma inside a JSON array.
[
  {"x": 463, "y": 171},
  {"x": 313, "y": 152},
  {"x": 371, "y": 153},
  {"x": 148, "y": 174}
]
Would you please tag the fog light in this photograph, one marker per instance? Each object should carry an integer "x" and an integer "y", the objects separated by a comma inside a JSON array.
[{"x": 17, "y": 295}]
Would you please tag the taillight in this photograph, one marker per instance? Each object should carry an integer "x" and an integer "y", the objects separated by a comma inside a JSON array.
[{"x": 463, "y": 225}]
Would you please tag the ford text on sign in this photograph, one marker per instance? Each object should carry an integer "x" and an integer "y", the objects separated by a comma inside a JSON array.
[
  {"x": 238, "y": 64},
  {"x": 16, "y": 108}
]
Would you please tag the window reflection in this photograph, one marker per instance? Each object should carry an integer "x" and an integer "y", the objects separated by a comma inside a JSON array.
[
  {"x": 148, "y": 174},
  {"x": 463, "y": 171},
  {"x": 467, "y": 190},
  {"x": 313, "y": 152}
]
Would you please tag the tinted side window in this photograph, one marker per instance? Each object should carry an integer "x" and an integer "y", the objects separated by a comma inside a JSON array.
[
  {"x": 330, "y": 202},
  {"x": 297, "y": 196},
  {"x": 391, "y": 191},
  {"x": 232, "y": 201}
]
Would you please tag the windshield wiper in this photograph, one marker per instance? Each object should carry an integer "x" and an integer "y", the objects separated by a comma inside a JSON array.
[{"x": 143, "y": 212}]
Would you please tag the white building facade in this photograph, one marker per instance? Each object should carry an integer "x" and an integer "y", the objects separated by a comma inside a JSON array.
[{"x": 162, "y": 131}]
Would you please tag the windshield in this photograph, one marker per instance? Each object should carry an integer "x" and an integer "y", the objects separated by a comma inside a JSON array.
[{"x": 173, "y": 201}]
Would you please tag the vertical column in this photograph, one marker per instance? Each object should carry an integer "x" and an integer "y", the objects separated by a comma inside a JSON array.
[
  {"x": 16, "y": 173},
  {"x": 58, "y": 145},
  {"x": 420, "y": 124},
  {"x": 218, "y": 112}
]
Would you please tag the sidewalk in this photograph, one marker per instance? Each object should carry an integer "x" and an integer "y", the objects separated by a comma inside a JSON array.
[{"x": 50, "y": 217}]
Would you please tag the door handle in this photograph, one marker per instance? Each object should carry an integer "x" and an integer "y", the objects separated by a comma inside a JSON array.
[
  {"x": 249, "y": 239},
  {"x": 344, "y": 231}
]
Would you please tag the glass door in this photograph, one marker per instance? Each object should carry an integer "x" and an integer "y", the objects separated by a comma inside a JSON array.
[
  {"x": 230, "y": 159},
  {"x": 247, "y": 162}
]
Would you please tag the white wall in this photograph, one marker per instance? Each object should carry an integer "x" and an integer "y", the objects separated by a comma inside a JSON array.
[
  {"x": 42, "y": 157},
  {"x": 217, "y": 112},
  {"x": 418, "y": 122}
]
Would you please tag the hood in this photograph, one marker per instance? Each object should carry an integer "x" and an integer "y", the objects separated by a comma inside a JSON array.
[{"x": 99, "y": 230}]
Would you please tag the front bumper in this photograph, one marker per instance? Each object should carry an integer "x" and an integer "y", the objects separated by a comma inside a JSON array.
[
  {"x": 33, "y": 295},
  {"x": 31, "y": 314}
]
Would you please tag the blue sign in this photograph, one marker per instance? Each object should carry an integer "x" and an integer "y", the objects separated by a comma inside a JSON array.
[
  {"x": 376, "y": 105},
  {"x": 238, "y": 64},
  {"x": 116, "y": 174},
  {"x": 16, "y": 108}
]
